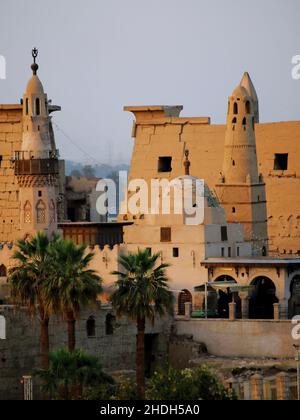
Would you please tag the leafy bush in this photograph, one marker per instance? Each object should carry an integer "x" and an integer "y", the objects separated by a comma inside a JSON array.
[
  {"x": 72, "y": 375},
  {"x": 189, "y": 384}
]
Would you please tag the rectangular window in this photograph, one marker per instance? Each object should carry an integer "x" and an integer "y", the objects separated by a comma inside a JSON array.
[
  {"x": 1, "y": 159},
  {"x": 175, "y": 252},
  {"x": 164, "y": 164},
  {"x": 281, "y": 162},
  {"x": 229, "y": 252},
  {"x": 224, "y": 234},
  {"x": 165, "y": 234},
  {"x": 238, "y": 251},
  {"x": 223, "y": 252}
]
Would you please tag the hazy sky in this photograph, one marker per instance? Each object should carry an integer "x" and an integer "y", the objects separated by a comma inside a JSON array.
[{"x": 96, "y": 56}]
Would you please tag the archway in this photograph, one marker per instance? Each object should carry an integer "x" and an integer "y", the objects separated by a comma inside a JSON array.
[
  {"x": 184, "y": 297},
  {"x": 261, "y": 303},
  {"x": 294, "y": 302},
  {"x": 226, "y": 296}
]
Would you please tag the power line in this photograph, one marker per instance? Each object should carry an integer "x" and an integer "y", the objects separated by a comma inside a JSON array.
[{"x": 76, "y": 145}]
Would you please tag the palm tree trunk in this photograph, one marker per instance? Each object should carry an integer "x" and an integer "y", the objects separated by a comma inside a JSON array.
[
  {"x": 140, "y": 358},
  {"x": 71, "y": 333},
  {"x": 44, "y": 341}
]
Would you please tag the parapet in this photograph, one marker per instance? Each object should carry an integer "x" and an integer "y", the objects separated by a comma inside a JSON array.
[{"x": 153, "y": 112}]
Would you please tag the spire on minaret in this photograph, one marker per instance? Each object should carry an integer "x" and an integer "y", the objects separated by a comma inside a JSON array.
[
  {"x": 247, "y": 83},
  {"x": 34, "y": 66},
  {"x": 187, "y": 163}
]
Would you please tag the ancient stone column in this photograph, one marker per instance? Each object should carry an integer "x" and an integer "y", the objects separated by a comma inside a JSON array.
[
  {"x": 188, "y": 307},
  {"x": 232, "y": 311},
  {"x": 256, "y": 387},
  {"x": 27, "y": 388},
  {"x": 283, "y": 386},
  {"x": 245, "y": 304}
]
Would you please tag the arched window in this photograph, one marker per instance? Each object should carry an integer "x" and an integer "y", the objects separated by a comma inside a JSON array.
[
  {"x": 235, "y": 108},
  {"x": 244, "y": 121},
  {"x": 233, "y": 210},
  {"x": 91, "y": 327},
  {"x": 27, "y": 106},
  {"x": 40, "y": 212},
  {"x": 52, "y": 212},
  {"x": 234, "y": 121},
  {"x": 3, "y": 271},
  {"x": 37, "y": 106},
  {"x": 233, "y": 163},
  {"x": 183, "y": 298},
  {"x": 110, "y": 324},
  {"x": 248, "y": 107},
  {"x": 27, "y": 212}
]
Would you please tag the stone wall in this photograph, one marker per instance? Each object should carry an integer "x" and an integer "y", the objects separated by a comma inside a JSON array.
[
  {"x": 247, "y": 338},
  {"x": 19, "y": 353},
  {"x": 10, "y": 141}
]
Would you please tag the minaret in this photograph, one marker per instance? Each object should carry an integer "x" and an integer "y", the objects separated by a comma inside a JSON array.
[
  {"x": 241, "y": 190},
  {"x": 36, "y": 165}
]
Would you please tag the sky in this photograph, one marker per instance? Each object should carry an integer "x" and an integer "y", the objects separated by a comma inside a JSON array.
[{"x": 96, "y": 56}]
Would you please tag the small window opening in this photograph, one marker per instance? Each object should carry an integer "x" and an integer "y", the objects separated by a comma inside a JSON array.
[
  {"x": 165, "y": 164},
  {"x": 175, "y": 252},
  {"x": 281, "y": 162}
]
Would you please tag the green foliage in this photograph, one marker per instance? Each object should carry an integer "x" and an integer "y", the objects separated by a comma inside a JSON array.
[
  {"x": 72, "y": 375},
  {"x": 189, "y": 384},
  {"x": 72, "y": 284},
  {"x": 32, "y": 269},
  {"x": 141, "y": 290},
  {"x": 125, "y": 390}
]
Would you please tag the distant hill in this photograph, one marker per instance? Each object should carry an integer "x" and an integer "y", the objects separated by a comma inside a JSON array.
[{"x": 101, "y": 171}]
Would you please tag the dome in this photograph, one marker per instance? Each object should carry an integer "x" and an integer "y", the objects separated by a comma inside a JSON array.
[
  {"x": 240, "y": 92},
  {"x": 210, "y": 197},
  {"x": 34, "y": 86}
]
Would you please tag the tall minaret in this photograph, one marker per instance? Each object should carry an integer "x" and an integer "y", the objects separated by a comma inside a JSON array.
[
  {"x": 241, "y": 190},
  {"x": 36, "y": 165}
]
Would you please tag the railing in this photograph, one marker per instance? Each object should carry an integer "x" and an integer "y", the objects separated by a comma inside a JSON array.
[{"x": 36, "y": 167}]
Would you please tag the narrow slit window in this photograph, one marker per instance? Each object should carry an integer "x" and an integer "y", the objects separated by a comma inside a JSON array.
[{"x": 37, "y": 106}]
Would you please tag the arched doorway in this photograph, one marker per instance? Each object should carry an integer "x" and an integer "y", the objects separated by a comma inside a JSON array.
[
  {"x": 184, "y": 297},
  {"x": 261, "y": 303},
  {"x": 226, "y": 296},
  {"x": 294, "y": 302}
]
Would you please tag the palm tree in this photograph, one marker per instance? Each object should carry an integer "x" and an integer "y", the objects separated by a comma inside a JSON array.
[
  {"x": 73, "y": 285},
  {"x": 28, "y": 278},
  {"x": 70, "y": 374},
  {"x": 141, "y": 293}
]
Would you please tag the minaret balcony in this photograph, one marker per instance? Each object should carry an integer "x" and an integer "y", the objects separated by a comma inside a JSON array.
[{"x": 36, "y": 166}]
